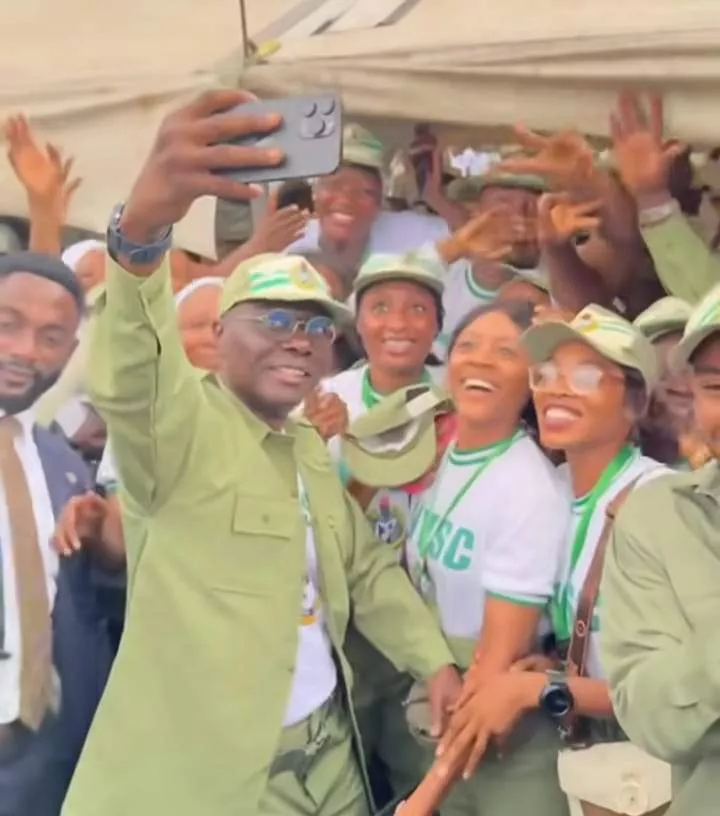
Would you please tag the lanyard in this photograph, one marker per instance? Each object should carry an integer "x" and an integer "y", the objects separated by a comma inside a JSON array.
[
  {"x": 370, "y": 396},
  {"x": 426, "y": 540},
  {"x": 563, "y": 617}
]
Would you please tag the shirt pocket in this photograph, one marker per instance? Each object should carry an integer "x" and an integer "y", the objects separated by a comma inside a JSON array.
[{"x": 261, "y": 551}]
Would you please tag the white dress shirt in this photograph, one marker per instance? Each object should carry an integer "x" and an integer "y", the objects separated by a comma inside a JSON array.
[{"x": 45, "y": 523}]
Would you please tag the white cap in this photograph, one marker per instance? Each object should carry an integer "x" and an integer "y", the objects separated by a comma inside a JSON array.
[
  {"x": 193, "y": 286},
  {"x": 76, "y": 252}
]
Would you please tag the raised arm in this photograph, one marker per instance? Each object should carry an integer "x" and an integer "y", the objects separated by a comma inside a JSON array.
[
  {"x": 685, "y": 266},
  {"x": 140, "y": 379}
]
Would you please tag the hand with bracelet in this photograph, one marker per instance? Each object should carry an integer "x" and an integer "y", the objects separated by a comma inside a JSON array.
[{"x": 643, "y": 158}]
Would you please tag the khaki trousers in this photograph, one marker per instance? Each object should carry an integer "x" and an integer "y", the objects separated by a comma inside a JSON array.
[{"x": 316, "y": 771}]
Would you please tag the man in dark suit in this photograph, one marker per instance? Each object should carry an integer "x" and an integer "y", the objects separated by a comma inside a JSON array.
[{"x": 54, "y": 652}]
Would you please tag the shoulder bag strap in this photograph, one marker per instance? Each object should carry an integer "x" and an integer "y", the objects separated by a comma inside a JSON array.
[{"x": 580, "y": 636}]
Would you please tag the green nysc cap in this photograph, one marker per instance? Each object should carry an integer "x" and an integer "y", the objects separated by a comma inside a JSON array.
[
  {"x": 362, "y": 148},
  {"x": 395, "y": 443},
  {"x": 410, "y": 266},
  {"x": 282, "y": 278},
  {"x": 470, "y": 187},
  {"x": 665, "y": 316},
  {"x": 606, "y": 332},
  {"x": 703, "y": 322}
]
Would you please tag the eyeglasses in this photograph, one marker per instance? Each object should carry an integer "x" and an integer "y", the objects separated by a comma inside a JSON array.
[
  {"x": 283, "y": 324},
  {"x": 581, "y": 379}
]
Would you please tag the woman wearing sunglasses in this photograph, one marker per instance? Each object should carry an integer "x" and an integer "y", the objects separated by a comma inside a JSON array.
[
  {"x": 590, "y": 378},
  {"x": 484, "y": 550}
]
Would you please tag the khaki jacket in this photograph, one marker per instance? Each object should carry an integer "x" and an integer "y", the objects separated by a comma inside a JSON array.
[
  {"x": 684, "y": 264},
  {"x": 193, "y": 711},
  {"x": 660, "y": 633}
]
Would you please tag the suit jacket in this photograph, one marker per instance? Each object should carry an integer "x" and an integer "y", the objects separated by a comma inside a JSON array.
[{"x": 33, "y": 779}]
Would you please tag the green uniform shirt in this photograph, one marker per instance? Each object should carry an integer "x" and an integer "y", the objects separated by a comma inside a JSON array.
[
  {"x": 684, "y": 264},
  {"x": 660, "y": 635},
  {"x": 192, "y": 714}
]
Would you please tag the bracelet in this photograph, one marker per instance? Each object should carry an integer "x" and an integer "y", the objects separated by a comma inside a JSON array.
[{"x": 656, "y": 215}]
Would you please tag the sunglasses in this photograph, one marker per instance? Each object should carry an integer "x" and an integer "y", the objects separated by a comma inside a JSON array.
[
  {"x": 581, "y": 379},
  {"x": 283, "y": 325}
]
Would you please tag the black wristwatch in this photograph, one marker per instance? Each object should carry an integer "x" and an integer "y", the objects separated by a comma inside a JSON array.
[{"x": 556, "y": 699}]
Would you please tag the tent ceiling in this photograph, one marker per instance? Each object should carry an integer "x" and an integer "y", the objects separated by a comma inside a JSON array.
[{"x": 98, "y": 77}]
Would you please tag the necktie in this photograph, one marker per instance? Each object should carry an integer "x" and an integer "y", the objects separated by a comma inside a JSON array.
[{"x": 30, "y": 580}]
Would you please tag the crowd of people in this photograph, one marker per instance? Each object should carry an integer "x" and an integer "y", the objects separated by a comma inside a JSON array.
[{"x": 396, "y": 507}]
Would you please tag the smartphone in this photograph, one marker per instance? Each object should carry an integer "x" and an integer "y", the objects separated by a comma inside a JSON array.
[
  {"x": 297, "y": 192},
  {"x": 310, "y": 136}
]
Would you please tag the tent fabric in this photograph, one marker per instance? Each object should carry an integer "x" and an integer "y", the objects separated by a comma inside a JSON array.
[
  {"x": 98, "y": 78},
  {"x": 551, "y": 63}
]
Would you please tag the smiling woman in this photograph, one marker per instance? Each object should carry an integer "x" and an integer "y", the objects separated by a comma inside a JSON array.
[
  {"x": 399, "y": 313},
  {"x": 483, "y": 550}
]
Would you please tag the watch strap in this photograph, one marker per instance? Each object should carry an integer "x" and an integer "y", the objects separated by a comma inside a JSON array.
[{"x": 122, "y": 249}]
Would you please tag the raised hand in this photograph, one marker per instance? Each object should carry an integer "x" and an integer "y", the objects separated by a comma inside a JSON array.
[
  {"x": 44, "y": 173},
  {"x": 642, "y": 158},
  {"x": 559, "y": 218},
  {"x": 278, "y": 228},
  {"x": 488, "y": 236},
  {"x": 565, "y": 159},
  {"x": 188, "y": 150}
]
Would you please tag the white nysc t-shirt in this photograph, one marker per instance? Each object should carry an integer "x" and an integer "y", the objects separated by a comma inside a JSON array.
[
  {"x": 393, "y": 232},
  {"x": 640, "y": 468},
  {"x": 315, "y": 675},
  {"x": 504, "y": 537}
]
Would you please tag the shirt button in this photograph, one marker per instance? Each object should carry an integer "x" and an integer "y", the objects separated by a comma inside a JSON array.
[{"x": 265, "y": 518}]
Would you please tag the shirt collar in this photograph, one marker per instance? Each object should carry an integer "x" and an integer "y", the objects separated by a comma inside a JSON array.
[
  {"x": 705, "y": 481},
  {"x": 709, "y": 480},
  {"x": 259, "y": 429},
  {"x": 25, "y": 418}
]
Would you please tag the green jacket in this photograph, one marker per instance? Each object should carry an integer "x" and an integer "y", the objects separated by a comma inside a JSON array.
[
  {"x": 193, "y": 711},
  {"x": 660, "y": 634},
  {"x": 684, "y": 264}
]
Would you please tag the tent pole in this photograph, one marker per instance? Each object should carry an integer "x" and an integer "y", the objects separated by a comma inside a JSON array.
[{"x": 243, "y": 21}]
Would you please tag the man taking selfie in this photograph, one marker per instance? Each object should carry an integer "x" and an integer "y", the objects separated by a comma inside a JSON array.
[{"x": 245, "y": 556}]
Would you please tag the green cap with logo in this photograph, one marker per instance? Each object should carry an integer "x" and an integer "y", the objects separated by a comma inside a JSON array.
[
  {"x": 395, "y": 442},
  {"x": 362, "y": 148},
  {"x": 470, "y": 187},
  {"x": 410, "y": 266},
  {"x": 609, "y": 334},
  {"x": 703, "y": 322},
  {"x": 665, "y": 316},
  {"x": 281, "y": 278}
]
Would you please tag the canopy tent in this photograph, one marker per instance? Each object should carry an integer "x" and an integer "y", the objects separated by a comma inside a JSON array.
[
  {"x": 97, "y": 78},
  {"x": 485, "y": 65}
]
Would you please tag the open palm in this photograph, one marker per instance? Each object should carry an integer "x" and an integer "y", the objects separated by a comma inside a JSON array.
[{"x": 44, "y": 174}]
